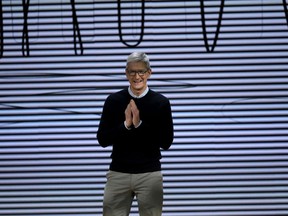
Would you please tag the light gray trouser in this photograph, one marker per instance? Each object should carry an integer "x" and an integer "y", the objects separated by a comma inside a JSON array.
[{"x": 121, "y": 187}]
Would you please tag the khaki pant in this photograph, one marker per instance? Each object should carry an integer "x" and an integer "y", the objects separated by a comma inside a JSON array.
[{"x": 121, "y": 188}]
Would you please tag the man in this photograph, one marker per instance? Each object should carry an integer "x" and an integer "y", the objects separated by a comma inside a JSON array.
[{"x": 137, "y": 122}]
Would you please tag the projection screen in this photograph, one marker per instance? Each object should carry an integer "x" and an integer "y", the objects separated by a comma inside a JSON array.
[{"x": 222, "y": 64}]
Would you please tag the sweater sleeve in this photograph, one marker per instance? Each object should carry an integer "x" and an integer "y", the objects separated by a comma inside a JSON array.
[
  {"x": 165, "y": 129},
  {"x": 158, "y": 129},
  {"x": 110, "y": 129}
]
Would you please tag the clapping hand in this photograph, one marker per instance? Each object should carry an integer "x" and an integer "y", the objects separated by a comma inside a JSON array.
[{"x": 132, "y": 116}]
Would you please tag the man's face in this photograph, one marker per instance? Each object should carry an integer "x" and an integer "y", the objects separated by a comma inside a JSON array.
[{"x": 137, "y": 74}]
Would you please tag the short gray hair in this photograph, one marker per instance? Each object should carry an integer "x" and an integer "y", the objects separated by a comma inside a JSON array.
[{"x": 138, "y": 57}]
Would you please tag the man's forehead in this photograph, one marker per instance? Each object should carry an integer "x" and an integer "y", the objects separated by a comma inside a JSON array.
[{"x": 137, "y": 64}]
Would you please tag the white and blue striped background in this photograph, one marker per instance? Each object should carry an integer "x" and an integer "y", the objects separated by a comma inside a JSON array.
[{"x": 222, "y": 64}]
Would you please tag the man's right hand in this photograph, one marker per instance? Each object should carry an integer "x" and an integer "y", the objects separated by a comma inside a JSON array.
[{"x": 128, "y": 116}]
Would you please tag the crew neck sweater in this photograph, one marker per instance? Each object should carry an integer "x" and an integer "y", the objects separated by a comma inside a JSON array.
[{"x": 137, "y": 150}]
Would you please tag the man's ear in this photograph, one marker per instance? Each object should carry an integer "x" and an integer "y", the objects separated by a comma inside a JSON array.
[
  {"x": 149, "y": 72},
  {"x": 127, "y": 75}
]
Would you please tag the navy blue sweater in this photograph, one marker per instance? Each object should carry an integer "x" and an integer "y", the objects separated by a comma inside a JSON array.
[{"x": 136, "y": 150}]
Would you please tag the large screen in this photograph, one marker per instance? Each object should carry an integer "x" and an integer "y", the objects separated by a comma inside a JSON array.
[{"x": 222, "y": 64}]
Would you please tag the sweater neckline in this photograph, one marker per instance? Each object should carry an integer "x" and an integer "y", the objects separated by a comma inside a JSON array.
[{"x": 136, "y": 96}]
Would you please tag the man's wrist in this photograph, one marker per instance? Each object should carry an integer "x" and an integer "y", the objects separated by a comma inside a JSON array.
[
  {"x": 140, "y": 122},
  {"x": 127, "y": 127},
  {"x": 130, "y": 127}
]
